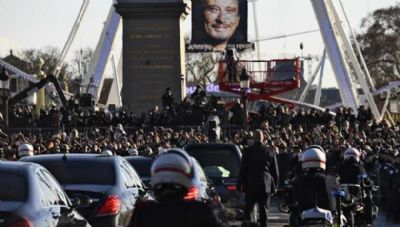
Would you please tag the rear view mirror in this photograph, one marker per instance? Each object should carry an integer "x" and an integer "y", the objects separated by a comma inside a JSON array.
[{"x": 81, "y": 201}]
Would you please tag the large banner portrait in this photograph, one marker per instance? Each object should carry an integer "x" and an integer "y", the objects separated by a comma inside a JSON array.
[{"x": 218, "y": 25}]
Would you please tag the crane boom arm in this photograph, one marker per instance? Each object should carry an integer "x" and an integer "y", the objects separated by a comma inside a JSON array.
[
  {"x": 37, "y": 86},
  {"x": 71, "y": 37}
]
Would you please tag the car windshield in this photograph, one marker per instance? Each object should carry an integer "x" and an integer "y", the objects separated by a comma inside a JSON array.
[
  {"x": 217, "y": 162},
  {"x": 14, "y": 187},
  {"x": 142, "y": 167},
  {"x": 82, "y": 172}
]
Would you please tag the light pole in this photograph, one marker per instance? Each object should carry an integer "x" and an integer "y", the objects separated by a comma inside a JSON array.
[
  {"x": 40, "y": 98},
  {"x": 244, "y": 86}
]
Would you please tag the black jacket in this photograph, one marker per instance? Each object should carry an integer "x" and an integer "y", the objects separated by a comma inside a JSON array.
[
  {"x": 173, "y": 214},
  {"x": 259, "y": 171},
  {"x": 349, "y": 172},
  {"x": 311, "y": 190}
]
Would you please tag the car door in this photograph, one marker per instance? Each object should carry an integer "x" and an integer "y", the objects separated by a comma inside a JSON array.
[
  {"x": 50, "y": 210},
  {"x": 62, "y": 210},
  {"x": 131, "y": 192},
  {"x": 203, "y": 190}
]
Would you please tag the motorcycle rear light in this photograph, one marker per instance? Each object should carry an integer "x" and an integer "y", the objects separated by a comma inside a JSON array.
[
  {"x": 21, "y": 222},
  {"x": 192, "y": 194},
  {"x": 231, "y": 187},
  {"x": 111, "y": 206}
]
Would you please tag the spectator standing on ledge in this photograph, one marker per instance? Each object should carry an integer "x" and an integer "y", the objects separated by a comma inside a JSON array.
[{"x": 167, "y": 99}]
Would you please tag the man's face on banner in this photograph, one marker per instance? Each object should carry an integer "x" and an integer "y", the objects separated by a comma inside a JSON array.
[{"x": 221, "y": 18}]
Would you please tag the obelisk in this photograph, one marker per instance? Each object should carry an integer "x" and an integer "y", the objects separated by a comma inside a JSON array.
[{"x": 153, "y": 51}]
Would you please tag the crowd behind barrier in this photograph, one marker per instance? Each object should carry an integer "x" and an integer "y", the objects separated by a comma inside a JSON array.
[{"x": 287, "y": 132}]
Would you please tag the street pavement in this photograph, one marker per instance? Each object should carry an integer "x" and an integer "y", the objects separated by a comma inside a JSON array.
[
  {"x": 279, "y": 219},
  {"x": 275, "y": 217},
  {"x": 382, "y": 221}
]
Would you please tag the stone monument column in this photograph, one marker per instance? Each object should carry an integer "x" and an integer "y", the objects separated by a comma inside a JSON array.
[{"x": 153, "y": 51}]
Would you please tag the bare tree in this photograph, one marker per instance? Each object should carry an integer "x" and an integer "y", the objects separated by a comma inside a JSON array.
[
  {"x": 380, "y": 44},
  {"x": 50, "y": 57},
  {"x": 81, "y": 61},
  {"x": 201, "y": 68}
]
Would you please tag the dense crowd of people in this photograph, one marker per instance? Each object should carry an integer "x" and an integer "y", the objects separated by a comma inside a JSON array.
[{"x": 286, "y": 132}]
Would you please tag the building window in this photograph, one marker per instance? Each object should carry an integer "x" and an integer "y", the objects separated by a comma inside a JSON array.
[{"x": 13, "y": 85}]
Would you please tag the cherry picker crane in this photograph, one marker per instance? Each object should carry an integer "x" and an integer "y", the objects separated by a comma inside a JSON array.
[{"x": 37, "y": 86}]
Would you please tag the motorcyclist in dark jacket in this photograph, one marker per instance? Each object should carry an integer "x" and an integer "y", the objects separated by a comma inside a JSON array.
[
  {"x": 311, "y": 188},
  {"x": 350, "y": 169},
  {"x": 350, "y": 172},
  {"x": 171, "y": 179}
]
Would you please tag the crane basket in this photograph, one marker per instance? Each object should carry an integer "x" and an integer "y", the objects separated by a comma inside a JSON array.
[{"x": 267, "y": 78}]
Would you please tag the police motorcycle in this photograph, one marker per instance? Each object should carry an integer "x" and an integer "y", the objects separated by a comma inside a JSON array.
[
  {"x": 340, "y": 219},
  {"x": 313, "y": 159},
  {"x": 358, "y": 204},
  {"x": 314, "y": 217},
  {"x": 286, "y": 194}
]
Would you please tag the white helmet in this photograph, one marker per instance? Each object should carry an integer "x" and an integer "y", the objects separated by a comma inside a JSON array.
[
  {"x": 107, "y": 153},
  {"x": 313, "y": 157},
  {"x": 172, "y": 167},
  {"x": 133, "y": 152},
  {"x": 25, "y": 149},
  {"x": 352, "y": 153},
  {"x": 147, "y": 151}
]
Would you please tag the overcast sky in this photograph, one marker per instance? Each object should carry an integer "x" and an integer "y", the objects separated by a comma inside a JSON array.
[{"x": 38, "y": 23}]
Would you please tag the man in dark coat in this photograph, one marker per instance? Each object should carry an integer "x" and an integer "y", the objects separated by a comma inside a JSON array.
[{"x": 258, "y": 177}]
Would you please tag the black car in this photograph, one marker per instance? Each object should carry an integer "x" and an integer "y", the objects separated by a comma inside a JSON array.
[
  {"x": 107, "y": 184},
  {"x": 142, "y": 165},
  {"x": 30, "y": 196},
  {"x": 221, "y": 164}
]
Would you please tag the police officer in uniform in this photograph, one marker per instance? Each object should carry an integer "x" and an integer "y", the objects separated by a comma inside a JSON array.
[
  {"x": 25, "y": 149},
  {"x": 351, "y": 168},
  {"x": 311, "y": 189}
]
